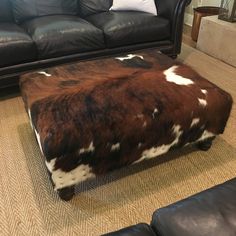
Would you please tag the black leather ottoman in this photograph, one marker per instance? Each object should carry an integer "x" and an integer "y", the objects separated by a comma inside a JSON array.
[{"x": 209, "y": 213}]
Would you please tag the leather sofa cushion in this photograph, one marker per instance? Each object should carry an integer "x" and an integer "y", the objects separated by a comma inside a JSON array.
[
  {"x": 211, "y": 213},
  {"x": 28, "y": 9},
  {"x": 5, "y": 11},
  {"x": 125, "y": 28},
  {"x": 15, "y": 45},
  {"x": 63, "y": 35},
  {"x": 90, "y": 7},
  {"x": 135, "y": 230}
]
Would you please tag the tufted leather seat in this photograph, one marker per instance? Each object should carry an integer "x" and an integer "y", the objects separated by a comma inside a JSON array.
[
  {"x": 15, "y": 45},
  {"x": 125, "y": 28},
  {"x": 60, "y": 35}
]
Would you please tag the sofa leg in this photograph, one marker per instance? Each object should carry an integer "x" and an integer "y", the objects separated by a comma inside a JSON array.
[
  {"x": 67, "y": 193},
  {"x": 206, "y": 144}
]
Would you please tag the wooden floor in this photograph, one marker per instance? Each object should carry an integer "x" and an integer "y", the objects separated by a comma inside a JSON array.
[{"x": 187, "y": 36}]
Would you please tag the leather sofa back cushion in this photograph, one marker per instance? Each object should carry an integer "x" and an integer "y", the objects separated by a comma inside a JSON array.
[
  {"x": 5, "y": 11},
  {"x": 90, "y": 7},
  {"x": 27, "y": 9}
]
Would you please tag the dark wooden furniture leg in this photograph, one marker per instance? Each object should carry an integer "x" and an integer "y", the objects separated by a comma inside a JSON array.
[
  {"x": 67, "y": 193},
  {"x": 206, "y": 144}
]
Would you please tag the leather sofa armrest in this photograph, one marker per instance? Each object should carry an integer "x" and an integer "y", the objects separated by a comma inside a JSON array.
[{"x": 174, "y": 11}]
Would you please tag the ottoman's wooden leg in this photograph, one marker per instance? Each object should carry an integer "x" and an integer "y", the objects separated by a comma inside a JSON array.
[
  {"x": 206, "y": 144},
  {"x": 67, "y": 193}
]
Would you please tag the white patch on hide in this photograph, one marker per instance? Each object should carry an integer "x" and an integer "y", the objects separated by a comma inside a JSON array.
[
  {"x": 204, "y": 91},
  {"x": 145, "y": 124},
  {"x": 63, "y": 179},
  {"x": 157, "y": 151},
  {"x": 115, "y": 147},
  {"x": 44, "y": 73},
  {"x": 30, "y": 118},
  {"x": 35, "y": 131},
  {"x": 50, "y": 165},
  {"x": 39, "y": 141},
  {"x": 155, "y": 112},
  {"x": 202, "y": 102},
  {"x": 194, "y": 122},
  {"x": 206, "y": 134},
  {"x": 140, "y": 145},
  {"x": 128, "y": 57},
  {"x": 174, "y": 78},
  {"x": 91, "y": 148}
]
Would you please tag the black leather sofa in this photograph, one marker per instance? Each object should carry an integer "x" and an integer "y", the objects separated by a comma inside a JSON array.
[
  {"x": 41, "y": 33},
  {"x": 209, "y": 213}
]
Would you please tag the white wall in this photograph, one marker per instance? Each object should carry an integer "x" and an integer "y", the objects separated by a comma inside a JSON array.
[{"x": 215, "y": 3}]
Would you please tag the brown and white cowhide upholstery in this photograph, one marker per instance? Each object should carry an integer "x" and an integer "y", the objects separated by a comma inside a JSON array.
[{"x": 93, "y": 117}]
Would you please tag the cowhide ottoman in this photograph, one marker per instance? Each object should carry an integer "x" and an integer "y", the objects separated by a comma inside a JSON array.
[{"x": 93, "y": 117}]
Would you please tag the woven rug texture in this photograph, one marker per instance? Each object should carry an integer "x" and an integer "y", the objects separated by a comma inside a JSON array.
[{"x": 29, "y": 206}]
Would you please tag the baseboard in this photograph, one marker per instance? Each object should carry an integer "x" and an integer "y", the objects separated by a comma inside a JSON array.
[{"x": 188, "y": 19}]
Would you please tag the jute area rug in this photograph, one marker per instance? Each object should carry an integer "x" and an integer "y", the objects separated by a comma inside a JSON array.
[{"x": 29, "y": 206}]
